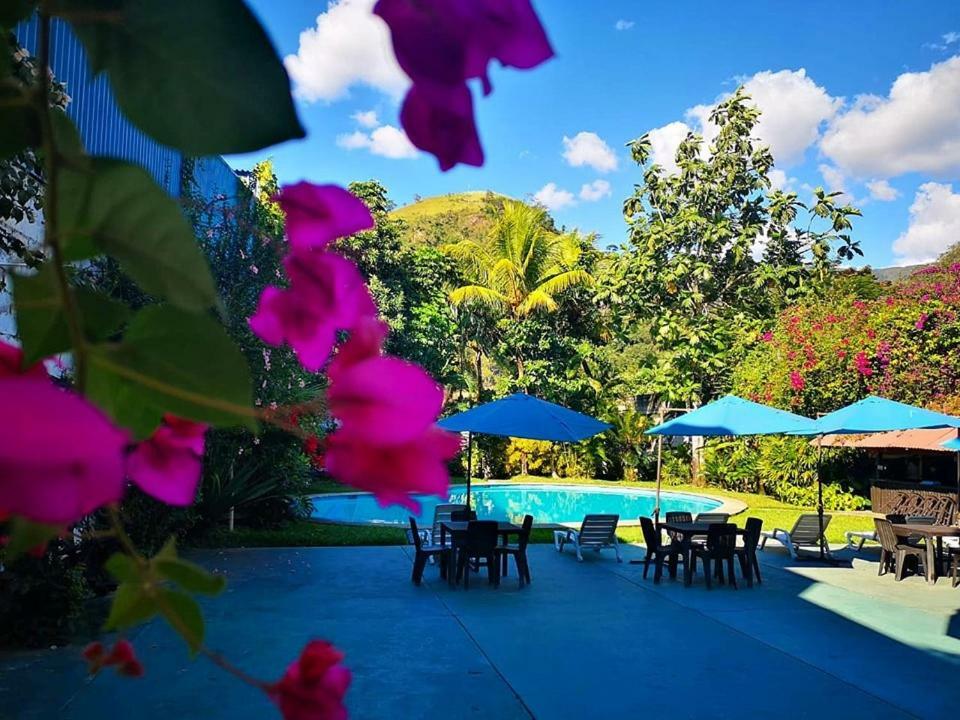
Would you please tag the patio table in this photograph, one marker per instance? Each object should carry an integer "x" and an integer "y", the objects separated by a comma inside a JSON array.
[
  {"x": 458, "y": 528},
  {"x": 686, "y": 532},
  {"x": 929, "y": 533}
]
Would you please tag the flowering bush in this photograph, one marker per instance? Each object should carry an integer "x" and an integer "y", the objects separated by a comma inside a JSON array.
[
  {"x": 142, "y": 390},
  {"x": 823, "y": 354}
]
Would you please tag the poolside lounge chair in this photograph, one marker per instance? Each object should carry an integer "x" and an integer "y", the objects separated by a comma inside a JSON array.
[
  {"x": 805, "y": 534},
  {"x": 856, "y": 538},
  {"x": 657, "y": 552},
  {"x": 596, "y": 533},
  {"x": 423, "y": 553}
]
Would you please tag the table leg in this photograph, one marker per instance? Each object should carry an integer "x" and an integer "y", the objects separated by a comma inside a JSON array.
[{"x": 931, "y": 562}]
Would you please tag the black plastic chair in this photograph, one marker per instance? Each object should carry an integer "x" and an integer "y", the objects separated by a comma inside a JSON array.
[
  {"x": 463, "y": 515},
  {"x": 895, "y": 553},
  {"x": 479, "y": 549},
  {"x": 657, "y": 552},
  {"x": 721, "y": 546},
  {"x": 424, "y": 553},
  {"x": 519, "y": 552},
  {"x": 747, "y": 553},
  {"x": 677, "y": 516}
]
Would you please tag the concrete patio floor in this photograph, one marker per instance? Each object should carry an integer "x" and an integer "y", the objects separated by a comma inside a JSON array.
[{"x": 587, "y": 640}]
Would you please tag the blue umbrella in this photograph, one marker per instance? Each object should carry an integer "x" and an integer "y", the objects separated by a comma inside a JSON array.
[
  {"x": 871, "y": 415},
  {"x": 522, "y": 416},
  {"x": 877, "y": 414},
  {"x": 731, "y": 415},
  {"x": 955, "y": 445}
]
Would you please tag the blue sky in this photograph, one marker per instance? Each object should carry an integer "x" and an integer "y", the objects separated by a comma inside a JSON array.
[{"x": 862, "y": 96}]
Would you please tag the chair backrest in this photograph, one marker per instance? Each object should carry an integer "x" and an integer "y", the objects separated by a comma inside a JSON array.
[
  {"x": 751, "y": 536},
  {"x": 463, "y": 515},
  {"x": 706, "y": 517},
  {"x": 481, "y": 538},
  {"x": 722, "y": 538},
  {"x": 885, "y": 534},
  {"x": 415, "y": 532},
  {"x": 896, "y": 518},
  {"x": 651, "y": 537},
  {"x": 441, "y": 513},
  {"x": 525, "y": 532},
  {"x": 806, "y": 531},
  {"x": 598, "y": 529},
  {"x": 678, "y": 516},
  {"x": 921, "y": 520}
]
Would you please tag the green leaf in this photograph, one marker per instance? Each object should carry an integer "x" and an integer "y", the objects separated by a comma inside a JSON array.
[
  {"x": 199, "y": 76},
  {"x": 42, "y": 323},
  {"x": 19, "y": 126},
  {"x": 184, "y": 615},
  {"x": 190, "y": 576},
  {"x": 13, "y": 11},
  {"x": 123, "y": 567},
  {"x": 132, "y": 604},
  {"x": 171, "y": 361},
  {"x": 128, "y": 216},
  {"x": 26, "y": 535}
]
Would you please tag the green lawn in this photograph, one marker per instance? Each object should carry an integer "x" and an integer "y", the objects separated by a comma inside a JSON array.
[{"x": 305, "y": 533}]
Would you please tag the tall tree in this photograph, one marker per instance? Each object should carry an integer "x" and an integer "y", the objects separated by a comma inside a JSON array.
[
  {"x": 695, "y": 269},
  {"x": 519, "y": 267}
]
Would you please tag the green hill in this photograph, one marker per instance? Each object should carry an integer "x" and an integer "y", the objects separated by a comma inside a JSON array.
[{"x": 449, "y": 218}]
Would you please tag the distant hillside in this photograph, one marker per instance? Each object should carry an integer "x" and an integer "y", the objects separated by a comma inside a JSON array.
[
  {"x": 892, "y": 274},
  {"x": 449, "y": 218}
]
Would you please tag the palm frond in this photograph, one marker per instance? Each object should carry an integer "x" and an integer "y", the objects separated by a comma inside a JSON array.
[
  {"x": 537, "y": 300},
  {"x": 565, "y": 280},
  {"x": 477, "y": 294}
]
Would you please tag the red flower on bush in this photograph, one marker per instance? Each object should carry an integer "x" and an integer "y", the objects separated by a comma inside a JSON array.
[
  {"x": 121, "y": 656},
  {"x": 796, "y": 381},
  {"x": 921, "y": 321},
  {"x": 863, "y": 364},
  {"x": 314, "y": 685}
]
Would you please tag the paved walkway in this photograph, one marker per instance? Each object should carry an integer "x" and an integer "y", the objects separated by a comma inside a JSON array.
[{"x": 590, "y": 640}]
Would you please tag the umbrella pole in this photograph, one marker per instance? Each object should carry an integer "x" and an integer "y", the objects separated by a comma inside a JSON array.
[
  {"x": 823, "y": 540},
  {"x": 656, "y": 505},
  {"x": 469, "y": 464}
]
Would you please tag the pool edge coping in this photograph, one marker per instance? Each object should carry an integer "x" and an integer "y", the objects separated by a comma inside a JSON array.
[{"x": 730, "y": 506}]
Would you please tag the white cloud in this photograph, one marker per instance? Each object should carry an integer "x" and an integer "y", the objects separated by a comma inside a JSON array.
[
  {"x": 598, "y": 189},
  {"x": 386, "y": 141},
  {"x": 778, "y": 179},
  {"x": 916, "y": 128},
  {"x": 951, "y": 37},
  {"x": 793, "y": 109},
  {"x": 833, "y": 178},
  {"x": 554, "y": 198},
  {"x": 882, "y": 190},
  {"x": 366, "y": 118},
  {"x": 587, "y": 148},
  {"x": 934, "y": 225},
  {"x": 348, "y": 45},
  {"x": 663, "y": 144},
  {"x": 624, "y": 24}
]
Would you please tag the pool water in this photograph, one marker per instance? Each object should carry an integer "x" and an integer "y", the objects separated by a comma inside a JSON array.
[{"x": 547, "y": 504}]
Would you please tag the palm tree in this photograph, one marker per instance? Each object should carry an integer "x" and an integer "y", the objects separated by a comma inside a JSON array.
[{"x": 520, "y": 266}]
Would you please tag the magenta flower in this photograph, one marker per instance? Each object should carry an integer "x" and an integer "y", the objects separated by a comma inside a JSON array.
[
  {"x": 319, "y": 214},
  {"x": 60, "y": 457},
  {"x": 313, "y": 686},
  {"x": 365, "y": 342},
  {"x": 441, "y": 44},
  {"x": 767, "y": 336},
  {"x": 796, "y": 381},
  {"x": 11, "y": 363},
  {"x": 326, "y": 294},
  {"x": 921, "y": 321},
  {"x": 392, "y": 472},
  {"x": 167, "y": 465},
  {"x": 383, "y": 400},
  {"x": 863, "y": 364},
  {"x": 439, "y": 119}
]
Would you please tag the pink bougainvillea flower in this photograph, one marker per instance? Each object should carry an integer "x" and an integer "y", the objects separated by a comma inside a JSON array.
[
  {"x": 392, "y": 472},
  {"x": 326, "y": 294},
  {"x": 439, "y": 120},
  {"x": 60, "y": 457},
  {"x": 365, "y": 342},
  {"x": 767, "y": 336},
  {"x": 167, "y": 465},
  {"x": 316, "y": 215},
  {"x": 11, "y": 363},
  {"x": 921, "y": 321},
  {"x": 314, "y": 685},
  {"x": 862, "y": 364},
  {"x": 796, "y": 381},
  {"x": 121, "y": 656},
  {"x": 383, "y": 400}
]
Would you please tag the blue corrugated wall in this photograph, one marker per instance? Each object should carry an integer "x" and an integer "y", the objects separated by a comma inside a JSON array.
[{"x": 104, "y": 129}]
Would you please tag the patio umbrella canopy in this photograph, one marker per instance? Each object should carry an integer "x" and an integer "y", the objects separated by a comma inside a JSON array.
[
  {"x": 522, "y": 416},
  {"x": 733, "y": 416}
]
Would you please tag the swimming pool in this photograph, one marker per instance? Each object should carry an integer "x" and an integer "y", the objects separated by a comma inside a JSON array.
[{"x": 547, "y": 504}]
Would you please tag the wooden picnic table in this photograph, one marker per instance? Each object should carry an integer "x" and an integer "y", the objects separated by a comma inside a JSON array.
[
  {"x": 929, "y": 533},
  {"x": 457, "y": 529}
]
